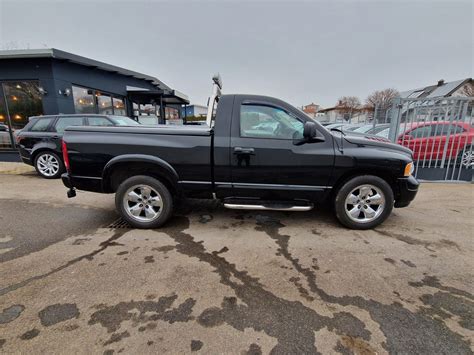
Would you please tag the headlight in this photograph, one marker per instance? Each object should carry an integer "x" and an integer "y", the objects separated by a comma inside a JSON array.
[{"x": 409, "y": 169}]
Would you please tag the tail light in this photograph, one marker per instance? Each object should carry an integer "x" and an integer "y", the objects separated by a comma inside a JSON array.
[{"x": 65, "y": 155}]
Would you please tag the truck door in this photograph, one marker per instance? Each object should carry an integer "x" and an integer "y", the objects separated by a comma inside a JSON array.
[{"x": 265, "y": 161}]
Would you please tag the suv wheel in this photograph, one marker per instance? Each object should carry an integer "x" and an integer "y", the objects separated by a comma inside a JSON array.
[
  {"x": 364, "y": 202},
  {"x": 144, "y": 202},
  {"x": 49, "y": 165}
]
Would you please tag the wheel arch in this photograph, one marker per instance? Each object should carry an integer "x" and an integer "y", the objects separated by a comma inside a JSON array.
[
  {"x": 44, "y": 148},
  {"x": 386, "y": 175},
  {"x": 124, "y": 166}
]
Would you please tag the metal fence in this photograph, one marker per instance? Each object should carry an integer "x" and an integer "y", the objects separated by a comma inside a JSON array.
[{"x": 440, "y": 133}]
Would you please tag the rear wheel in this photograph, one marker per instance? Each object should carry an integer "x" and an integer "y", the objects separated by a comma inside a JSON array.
[
  {"x": 364, "y": 202},
  {"x": 49, "y": 165},
  {"x": 144, "y": 202}
]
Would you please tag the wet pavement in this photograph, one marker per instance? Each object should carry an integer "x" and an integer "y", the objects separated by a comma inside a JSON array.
[{"x": 73, "y": 279}]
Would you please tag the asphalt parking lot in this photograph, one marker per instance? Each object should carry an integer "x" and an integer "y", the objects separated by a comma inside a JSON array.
[{"x": 74, "y": 280}]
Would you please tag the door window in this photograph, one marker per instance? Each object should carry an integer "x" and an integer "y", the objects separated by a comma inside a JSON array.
[
  {"x": 99, "y": 121},
  {"x": 443, "y": 129},
  {"x": 64, "y": 122},
  {"x": 421, "y": 132},
  {"x": 260, "y": 121},
  {"x": 41, "y": 125}
]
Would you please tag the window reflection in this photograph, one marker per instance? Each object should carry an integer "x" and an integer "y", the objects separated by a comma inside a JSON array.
[
  {"x": 93, "y": 101},
  {"x": 104, "y": 103},
  {"x": 119, "y": 107},
  {"x": 84, "y": 101},
  {"x": 147, "y": 114},
  {"x": 23, "y": 100}
]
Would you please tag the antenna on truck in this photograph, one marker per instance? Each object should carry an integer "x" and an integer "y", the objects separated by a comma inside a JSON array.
[{"x": 216, "y": 93}]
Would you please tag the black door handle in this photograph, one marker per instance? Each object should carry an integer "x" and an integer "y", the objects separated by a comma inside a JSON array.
[{"x": 244, "y": 151}]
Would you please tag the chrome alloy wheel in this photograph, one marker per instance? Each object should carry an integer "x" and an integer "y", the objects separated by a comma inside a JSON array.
[
  {"x": 365, "y": 203},
  {"x": 48, "y": 165},
  {"x": 467, "y": 158},
  {"x": 142, "y": 203}
]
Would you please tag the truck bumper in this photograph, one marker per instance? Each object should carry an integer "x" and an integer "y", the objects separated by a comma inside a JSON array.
[
  {"x": 407, "y": 190},
  {"x": 66, "y": 180},
  {"x": 85, "y": 183}
]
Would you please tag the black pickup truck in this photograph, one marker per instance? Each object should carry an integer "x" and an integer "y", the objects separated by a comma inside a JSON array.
[{"x": 256, "y": 152}]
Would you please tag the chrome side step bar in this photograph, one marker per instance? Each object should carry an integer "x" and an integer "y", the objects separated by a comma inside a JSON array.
[{"x": 235, "y": 206}]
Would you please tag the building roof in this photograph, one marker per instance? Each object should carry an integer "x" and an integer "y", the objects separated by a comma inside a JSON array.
[
  {"x": 441, "y": 89},
  {"x": 73, "y": 58}
]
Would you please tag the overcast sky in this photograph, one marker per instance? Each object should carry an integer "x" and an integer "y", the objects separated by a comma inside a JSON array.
[{"x": 298, "y": 51}]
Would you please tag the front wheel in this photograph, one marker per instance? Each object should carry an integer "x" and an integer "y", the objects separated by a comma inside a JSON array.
[
  {"x": 364, "y": 202},
  {"x": 144, "y": 202},
  {"x": 466, "y": 157}
]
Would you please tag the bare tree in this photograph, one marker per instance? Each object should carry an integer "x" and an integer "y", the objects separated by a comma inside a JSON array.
[
  {"x": 347, "y": 106},
  {"x": 381, "y": 99}
]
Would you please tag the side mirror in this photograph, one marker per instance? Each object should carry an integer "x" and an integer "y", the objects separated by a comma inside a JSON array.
[
  {"x": 309, "y": 130},
  {"x": 310, "y": 134}
]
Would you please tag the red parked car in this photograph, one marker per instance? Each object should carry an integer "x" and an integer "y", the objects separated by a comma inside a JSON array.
[{"x": 429, "y": 140}]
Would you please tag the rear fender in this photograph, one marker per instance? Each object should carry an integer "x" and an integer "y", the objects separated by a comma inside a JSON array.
[
  {"x": 42, "y": 146},
  {"x": 164, "y": 169}
]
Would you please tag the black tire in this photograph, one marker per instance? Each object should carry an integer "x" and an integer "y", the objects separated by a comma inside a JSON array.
[
  {"x": 164, "y": 211},
  {"x": 40, "y": 167},
  {"x": 349, "y": 186}
]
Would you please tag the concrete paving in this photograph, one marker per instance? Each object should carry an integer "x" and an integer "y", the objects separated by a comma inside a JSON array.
[{"x": 220, "y": 281}]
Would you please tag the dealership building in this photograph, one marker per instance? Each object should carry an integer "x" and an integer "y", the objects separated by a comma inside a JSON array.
[{"x": 50, "y": 81}]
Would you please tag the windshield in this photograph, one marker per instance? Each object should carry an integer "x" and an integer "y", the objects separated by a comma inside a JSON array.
[
  {"x": 363, "y": 129},
  {"x": 123, "y": 121},
  {"x": 384, "y": 133}
]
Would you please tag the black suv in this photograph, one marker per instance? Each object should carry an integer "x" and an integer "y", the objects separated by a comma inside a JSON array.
[{"x": 39, "y": 142}]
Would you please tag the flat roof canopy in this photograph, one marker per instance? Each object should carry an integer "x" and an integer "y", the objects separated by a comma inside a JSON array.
[{"x": 172, "y": 97}]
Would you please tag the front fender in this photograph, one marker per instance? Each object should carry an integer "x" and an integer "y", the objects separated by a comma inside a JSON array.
[{"x": 164, "y": 167}]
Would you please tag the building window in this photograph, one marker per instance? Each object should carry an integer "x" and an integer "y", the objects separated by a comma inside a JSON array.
[
  {"x": 171, "y": 113},
  {"x": 23, "y": 100},
  {"x": 93, "y": 101},
  {"x": 147, "y": 114},
  {"x": 119, "y": 107},
  {"x": 104, "y": 104},
  {"x": 84, "y": 100}
]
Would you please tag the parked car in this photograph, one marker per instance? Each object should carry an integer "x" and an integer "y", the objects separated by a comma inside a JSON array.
[
  {"x": 39, "y": 142},
  {"x": 379, "y": 128},
  {"x": 5, "y": 140},
  {"x": 429, "y": 141},
  {"x": 363, "y": 129},
  {"x": 338, "y": 126},
  {"x": 290, "y": 167}
]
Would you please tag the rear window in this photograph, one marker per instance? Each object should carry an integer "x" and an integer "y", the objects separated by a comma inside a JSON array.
[
  {"x": 124, "y": 121},
  {"x": 99, "y": 121},
  {"x": 41, "y": 124}
]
